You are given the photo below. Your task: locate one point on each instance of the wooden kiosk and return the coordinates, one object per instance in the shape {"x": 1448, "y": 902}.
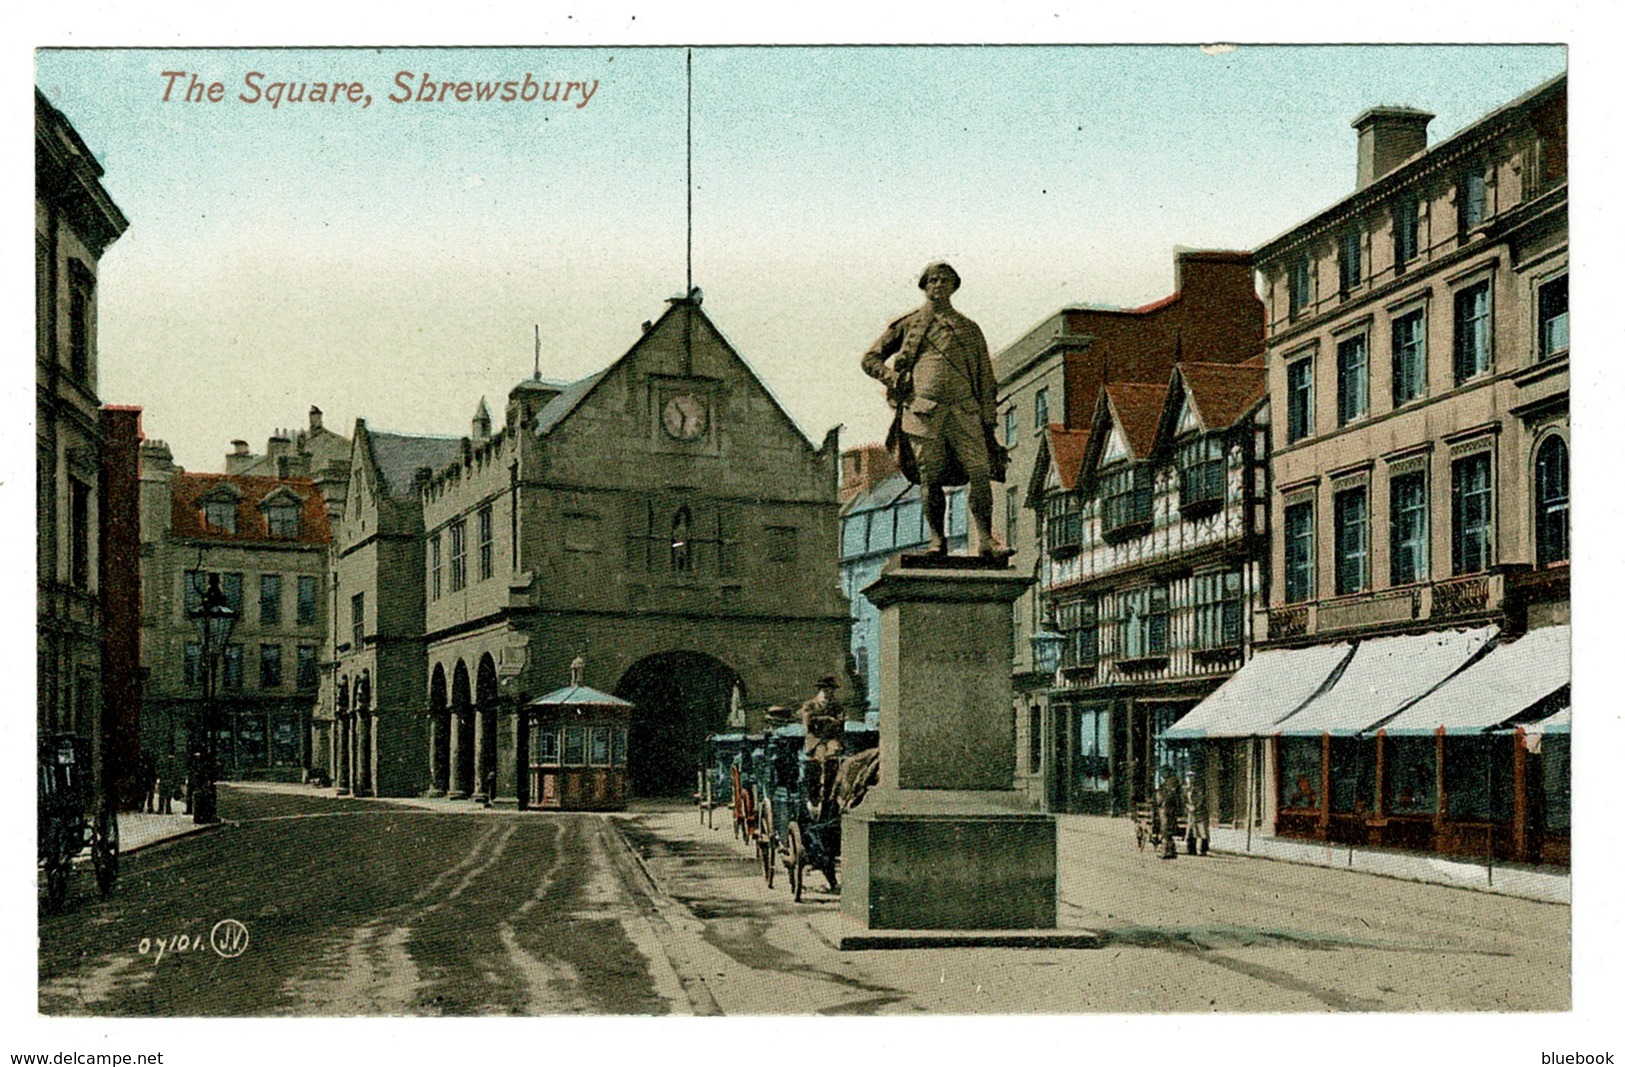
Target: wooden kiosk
{"x": 578, "y": 747}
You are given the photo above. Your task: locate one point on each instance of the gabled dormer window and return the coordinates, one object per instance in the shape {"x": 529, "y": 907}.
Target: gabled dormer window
{"x": 1201, "y": 473}
{"x": 219, "y": 508}
{"x": 1125, "y": 494}
{"x": 1062, "y": 525}
{"x": 281, "y": 510}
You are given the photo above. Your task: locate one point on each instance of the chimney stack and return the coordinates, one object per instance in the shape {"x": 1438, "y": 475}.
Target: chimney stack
{"x": 1388, "y": 137}
{"x": 315, "y": 418}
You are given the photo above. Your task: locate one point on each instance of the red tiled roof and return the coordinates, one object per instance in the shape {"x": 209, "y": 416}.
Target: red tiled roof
{"x": 186, "y": 512}
{"x": 1223, "y": 392}
{"x": 1066, "y": 449}
{"x": 1138, "y": 408}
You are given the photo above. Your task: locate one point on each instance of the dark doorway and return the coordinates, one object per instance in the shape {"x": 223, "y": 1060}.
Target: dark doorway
{"x": 677, "y": 698}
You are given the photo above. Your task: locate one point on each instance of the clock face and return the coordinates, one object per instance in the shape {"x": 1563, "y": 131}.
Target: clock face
{"x": 684, "y": 417}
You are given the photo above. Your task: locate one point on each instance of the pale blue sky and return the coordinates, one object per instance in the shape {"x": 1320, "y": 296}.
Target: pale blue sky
{"x": 389, "y": 261}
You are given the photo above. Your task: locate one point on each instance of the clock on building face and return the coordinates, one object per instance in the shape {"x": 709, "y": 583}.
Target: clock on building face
{"x": 684, "y": 417}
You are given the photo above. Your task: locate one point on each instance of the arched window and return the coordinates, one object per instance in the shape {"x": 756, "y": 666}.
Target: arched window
{"x": 682, "y": 552}
{"x": 1552, "y": 502}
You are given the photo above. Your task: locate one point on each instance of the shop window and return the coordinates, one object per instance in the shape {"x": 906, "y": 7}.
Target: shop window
{"x": 1300, "y": 773}
{"x": 1407, "y": 528}
{"x": 1409, "y": 356}
{"x": 285, "y": 739}
{"x": 575, "y": 745}
{"x": 1554, "y": 780}
{"x": 1091, "y": 765}
{"x": 546, "y": 746}
{"x": 1354, "y": 774}
{"x": 1411, "y": 770}
{"x": 598, "y": 746}
{"x": 1478, "y": 778}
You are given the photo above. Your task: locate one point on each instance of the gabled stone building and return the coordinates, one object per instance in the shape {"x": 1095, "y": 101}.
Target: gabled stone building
{"x": 664, "y": 518}
{"x": 370, "y": 730}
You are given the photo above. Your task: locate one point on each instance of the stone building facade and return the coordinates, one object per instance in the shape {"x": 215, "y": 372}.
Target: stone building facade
{"x": 268, "y": 540}
{"x": 370, "y": 730}
{"x": 75, "y": 220}
{"x": 1418, "y": 376}
{"x": 665, "y": 519}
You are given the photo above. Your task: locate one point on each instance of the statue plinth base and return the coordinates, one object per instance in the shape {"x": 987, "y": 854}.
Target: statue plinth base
{"x": 916, "y": 859}
{"x": 944, "y": 841}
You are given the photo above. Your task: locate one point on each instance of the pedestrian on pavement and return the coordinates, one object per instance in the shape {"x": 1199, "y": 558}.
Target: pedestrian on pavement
{"x": 1196, "y": 820}
{"x": 1169, "y": 806}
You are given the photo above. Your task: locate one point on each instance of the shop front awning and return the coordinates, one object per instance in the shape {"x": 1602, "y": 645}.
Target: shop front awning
{"x": 1558, "y": 723}
{"x": 1385, "y": 675}
{"x": 1513, "y": 679}
{"x": 1270, "y": 687}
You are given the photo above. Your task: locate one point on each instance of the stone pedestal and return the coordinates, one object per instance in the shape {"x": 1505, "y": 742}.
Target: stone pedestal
{"x": 945, "y": 841}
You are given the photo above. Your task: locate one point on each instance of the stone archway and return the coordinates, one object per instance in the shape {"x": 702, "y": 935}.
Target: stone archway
{"x": 485, "y": 728}
{"x": 462, "y": 734}
{"x": 677, "y": 698}
{"x": 439, "y": 739}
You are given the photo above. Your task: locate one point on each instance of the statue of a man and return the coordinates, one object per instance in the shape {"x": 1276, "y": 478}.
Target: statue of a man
{"x": 939, "y": 379}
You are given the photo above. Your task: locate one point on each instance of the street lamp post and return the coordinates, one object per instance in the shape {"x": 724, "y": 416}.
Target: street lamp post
{"x": 215, "y": 618}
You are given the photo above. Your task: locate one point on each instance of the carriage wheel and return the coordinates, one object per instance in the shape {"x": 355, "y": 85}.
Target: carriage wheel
{"x": 796, "y": 862}
{"x": 104, "y": 852}
{"x": 58, "y": 866}
{"x": 767, "y": 846}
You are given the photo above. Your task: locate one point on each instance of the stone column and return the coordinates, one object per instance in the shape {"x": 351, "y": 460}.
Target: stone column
{"x": 454, "y": 750}
{"x": 946, "y": 841}
{"x": 482, "y": 720}
{"x": 343, "y": 783}
{"x": 437, "y": 741}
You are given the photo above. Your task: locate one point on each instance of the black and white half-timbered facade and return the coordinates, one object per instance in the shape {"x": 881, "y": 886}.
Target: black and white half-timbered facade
{"x": 1154, "y": 532}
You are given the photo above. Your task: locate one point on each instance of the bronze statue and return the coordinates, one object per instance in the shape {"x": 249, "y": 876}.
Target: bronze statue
{"x": 939, "y": 380}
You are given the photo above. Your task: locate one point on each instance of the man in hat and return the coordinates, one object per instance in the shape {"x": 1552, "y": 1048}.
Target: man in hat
{"x": 825, "y": 722}
{"x": 939, "y": 380}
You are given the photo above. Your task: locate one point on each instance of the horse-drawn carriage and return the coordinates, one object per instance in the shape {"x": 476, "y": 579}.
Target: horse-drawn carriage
{"x": 75, "y": 813}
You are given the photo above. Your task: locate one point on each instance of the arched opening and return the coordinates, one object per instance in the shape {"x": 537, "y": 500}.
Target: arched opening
{"x": 1551, "y": 502}
{"x": 677, "y": 698}
{"x": 462, "y": 727}
{"x": 438, "y": 739}
{"x": 485, "y": 723}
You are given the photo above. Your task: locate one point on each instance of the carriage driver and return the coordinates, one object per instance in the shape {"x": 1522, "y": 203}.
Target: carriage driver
{"x": 825, "y": 722}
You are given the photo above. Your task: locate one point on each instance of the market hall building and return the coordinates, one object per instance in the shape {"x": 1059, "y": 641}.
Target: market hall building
{"x": 1411, "y": 688}
{"x": 663, "y": 519}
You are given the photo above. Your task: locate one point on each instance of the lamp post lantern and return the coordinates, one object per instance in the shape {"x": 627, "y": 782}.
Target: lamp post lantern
{"x": 216, "y": 619}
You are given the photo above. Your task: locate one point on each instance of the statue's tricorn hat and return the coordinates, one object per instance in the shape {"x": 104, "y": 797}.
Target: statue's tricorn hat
{"x": 939, "y": 265}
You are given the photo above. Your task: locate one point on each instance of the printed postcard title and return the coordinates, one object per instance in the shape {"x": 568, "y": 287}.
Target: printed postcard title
{"x": 409, "y": 87}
